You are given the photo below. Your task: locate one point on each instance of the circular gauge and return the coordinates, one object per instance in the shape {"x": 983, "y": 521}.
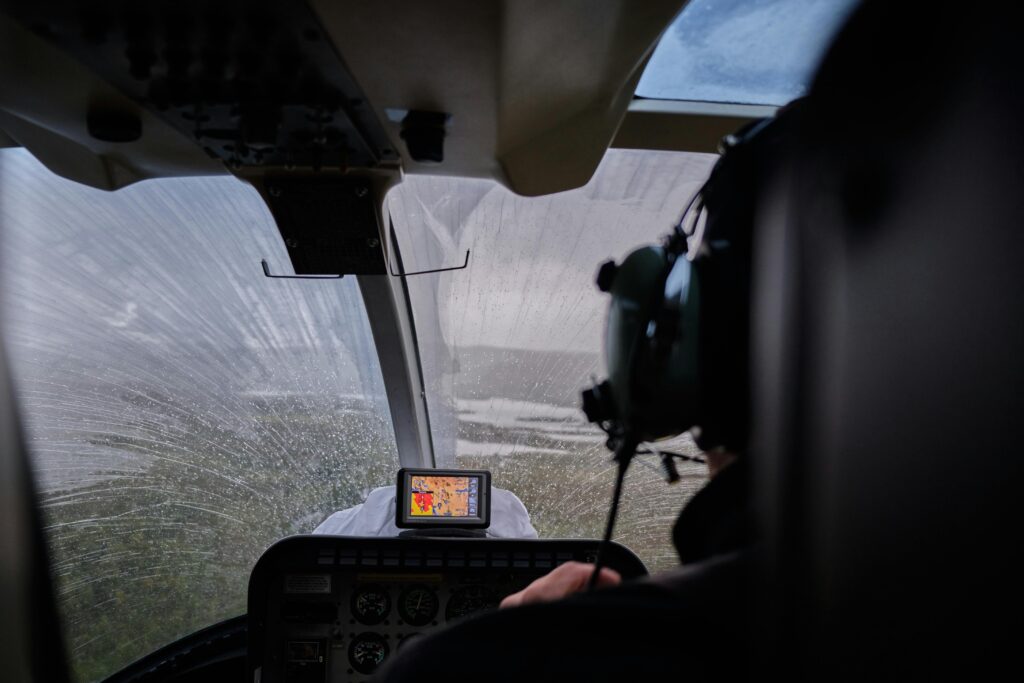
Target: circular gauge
{"x": 367, "y": 651}
{"x": 370, "y": 604}
{"x": 417, "y": 605}
{"x": 468, "y": 600}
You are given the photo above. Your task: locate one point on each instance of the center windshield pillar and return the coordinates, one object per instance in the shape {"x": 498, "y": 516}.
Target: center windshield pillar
{"x": 394, "y": 334}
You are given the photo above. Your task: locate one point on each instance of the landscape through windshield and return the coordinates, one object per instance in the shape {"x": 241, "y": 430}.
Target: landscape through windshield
{"x": 183, "y": 412}
{"x": 508, "y": 343}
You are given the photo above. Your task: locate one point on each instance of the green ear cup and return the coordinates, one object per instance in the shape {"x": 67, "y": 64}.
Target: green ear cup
{"x": 651, "y": 343}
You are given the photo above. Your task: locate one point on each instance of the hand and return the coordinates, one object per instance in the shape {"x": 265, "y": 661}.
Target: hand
{"x": 564, "y": 580}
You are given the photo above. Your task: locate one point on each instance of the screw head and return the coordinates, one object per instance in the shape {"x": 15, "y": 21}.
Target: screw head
{"x": 372, "y": 242}
{"x": 361, "y": 191}
{"x": 274, "y": 191}
{"x": 291, "y": 243}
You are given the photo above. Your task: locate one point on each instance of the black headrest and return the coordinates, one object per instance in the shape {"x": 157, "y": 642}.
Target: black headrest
{"x": 888, "y": 353}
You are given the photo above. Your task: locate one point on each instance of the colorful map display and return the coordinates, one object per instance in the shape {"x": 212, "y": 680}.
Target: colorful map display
{"x": 444, "y": 496}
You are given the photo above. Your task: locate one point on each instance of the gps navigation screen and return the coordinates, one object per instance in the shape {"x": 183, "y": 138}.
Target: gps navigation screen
{"x": 446, "y": 497}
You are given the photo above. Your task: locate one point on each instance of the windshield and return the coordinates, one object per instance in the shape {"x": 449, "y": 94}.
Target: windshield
{"x": 508, "y": 343}
{"x": 183, "y": 412}
{"x": 742, "y": 51}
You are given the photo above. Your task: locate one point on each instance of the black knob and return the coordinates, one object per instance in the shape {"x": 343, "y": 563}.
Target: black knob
{"x": 424, "y": 133}
{"x": 597, "y": 403}
{"x": 606, "y": 275}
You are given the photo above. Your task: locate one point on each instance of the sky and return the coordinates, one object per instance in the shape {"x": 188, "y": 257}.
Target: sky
{"x": 530, "y": 280}
{"x": 745, "y": 51}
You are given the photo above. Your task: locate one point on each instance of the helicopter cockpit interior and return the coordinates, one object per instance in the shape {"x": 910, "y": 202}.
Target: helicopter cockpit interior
{"x": 297, "y": 304}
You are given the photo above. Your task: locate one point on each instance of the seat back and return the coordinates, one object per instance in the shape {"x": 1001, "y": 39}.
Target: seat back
{"x": 888, "y": 354}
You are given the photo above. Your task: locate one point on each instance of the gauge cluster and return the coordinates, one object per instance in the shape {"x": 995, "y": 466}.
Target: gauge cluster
{"x": 389, "y": 611}
{"x": 325, "y": 609}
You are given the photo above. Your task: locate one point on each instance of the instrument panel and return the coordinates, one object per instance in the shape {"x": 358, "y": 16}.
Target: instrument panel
{"x": 332, "y": 609}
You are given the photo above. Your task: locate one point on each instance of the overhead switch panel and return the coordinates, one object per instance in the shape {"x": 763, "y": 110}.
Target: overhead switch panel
{"x": 254, "y": 83}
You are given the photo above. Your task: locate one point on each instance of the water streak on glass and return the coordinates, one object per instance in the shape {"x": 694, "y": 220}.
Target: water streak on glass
{"x": 742, "y": 51}
{"x": 183, "y": 411}
{"x": 508, "y": 343}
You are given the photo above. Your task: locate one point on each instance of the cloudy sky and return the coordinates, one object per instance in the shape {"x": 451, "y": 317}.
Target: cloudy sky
{"x": 530, "y": 280}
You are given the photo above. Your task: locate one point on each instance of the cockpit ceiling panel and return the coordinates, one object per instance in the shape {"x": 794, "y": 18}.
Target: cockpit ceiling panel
{"x": 533, "y": 90}
{"x": 45, "y": 95}
{"x": 254, "y": 83}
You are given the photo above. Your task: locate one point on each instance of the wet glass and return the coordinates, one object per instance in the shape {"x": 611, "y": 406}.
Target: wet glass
{"x": 742, "y": 51}
{"x": 183, "y": 412}
{"x": 508, "y": 343}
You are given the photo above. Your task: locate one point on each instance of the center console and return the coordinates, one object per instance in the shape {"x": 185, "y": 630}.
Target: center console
{"x": 327, "y": 609}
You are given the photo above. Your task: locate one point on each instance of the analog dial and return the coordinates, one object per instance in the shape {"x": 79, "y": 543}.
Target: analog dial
{"x": 417, "y": 605}
{"x": 367, "y": 651}
{"x": 370, "y": 604}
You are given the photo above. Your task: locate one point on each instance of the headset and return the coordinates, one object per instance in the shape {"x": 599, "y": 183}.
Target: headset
{"x": 677, "y": 339}
{"x": 678, "y": 330}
